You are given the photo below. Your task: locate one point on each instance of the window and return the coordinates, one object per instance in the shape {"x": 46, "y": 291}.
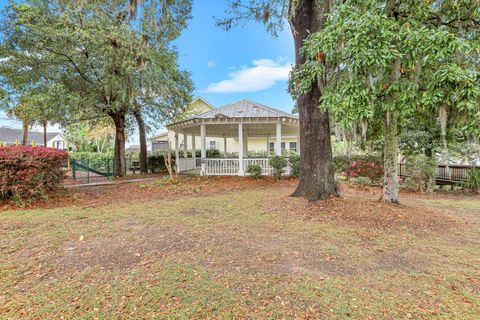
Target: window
{"x": 293, "y": 146}
{"x": 212, "y": 145}
{"x": 271, "y": 147}
{"x": 159, "y": 145}
{"x": 59, "y": 144}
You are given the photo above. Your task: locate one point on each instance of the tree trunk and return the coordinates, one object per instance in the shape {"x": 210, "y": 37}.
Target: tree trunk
{"x": 143, "y": 141}
{"x": 338, "y": 134}
{"x": 119, "y": 168}
{"x": 443, "y": 133}
{"x": 44, "y": 133}
{"x": 316, "y": 167}
{"x": 25, "y": 133}
{"x": 390, "y": 166}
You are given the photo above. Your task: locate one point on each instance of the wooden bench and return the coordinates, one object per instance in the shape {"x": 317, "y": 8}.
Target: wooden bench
{"x": 134, "y": 166}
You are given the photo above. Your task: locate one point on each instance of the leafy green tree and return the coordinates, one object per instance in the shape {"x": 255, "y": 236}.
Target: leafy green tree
{"x": 304, "y": 16}
{"x": 24, "y": 113}
{"x": 95, "y": 54}
{"x": 391, "y": 58}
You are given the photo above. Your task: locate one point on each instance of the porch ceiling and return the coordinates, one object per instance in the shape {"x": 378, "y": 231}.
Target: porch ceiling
{"x": 230, "y": 130}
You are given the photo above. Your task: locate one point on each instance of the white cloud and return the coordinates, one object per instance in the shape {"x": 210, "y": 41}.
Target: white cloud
{"x": 211, "y": 64}
{"x": 262, "y": 75}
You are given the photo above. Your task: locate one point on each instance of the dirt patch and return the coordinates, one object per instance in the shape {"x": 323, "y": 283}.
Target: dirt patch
{"x": 360, "y": 207}
{"x": 225, "y": 250}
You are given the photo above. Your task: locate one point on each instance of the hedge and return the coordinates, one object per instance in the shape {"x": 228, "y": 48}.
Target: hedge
{"x": 28, "y": 173}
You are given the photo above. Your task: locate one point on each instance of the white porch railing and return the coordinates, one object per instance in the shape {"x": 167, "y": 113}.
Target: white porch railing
{"x": 267, "y": 170}
{"x": 221, "y": 167}
{"x": 230, "y": 167}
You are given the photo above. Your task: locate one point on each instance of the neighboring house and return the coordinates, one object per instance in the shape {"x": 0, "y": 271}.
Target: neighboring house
{"x": 133, "y": 148}
{"x": 10, "y": 137}
{"x": 245, "y": 132}
{"x": 228, "y": 145}
{"x": 166, "y": 139}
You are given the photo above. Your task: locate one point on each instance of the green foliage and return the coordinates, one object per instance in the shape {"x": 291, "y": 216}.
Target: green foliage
{"x": 294, "y": 162}
{"x": 156, "y": 163}
{"x": 96, "y": 160}
{"x": 420, "y": 171}
{"x": 254, "y": 171}
{"x": 473, "y": 182}
{"x": 278, "y": 163}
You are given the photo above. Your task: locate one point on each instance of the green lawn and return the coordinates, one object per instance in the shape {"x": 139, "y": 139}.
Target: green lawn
{"x": 250, "y": 253}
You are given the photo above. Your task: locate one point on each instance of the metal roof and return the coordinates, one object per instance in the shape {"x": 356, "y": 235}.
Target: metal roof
{"x": 243, "y": 109}
{"x": 10, "y": 135}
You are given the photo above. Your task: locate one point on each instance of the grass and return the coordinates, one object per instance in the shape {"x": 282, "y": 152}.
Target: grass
{"x": 252, "y": 253}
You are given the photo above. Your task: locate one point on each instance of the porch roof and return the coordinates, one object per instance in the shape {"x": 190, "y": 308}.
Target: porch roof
{"x": 258, "y": 120}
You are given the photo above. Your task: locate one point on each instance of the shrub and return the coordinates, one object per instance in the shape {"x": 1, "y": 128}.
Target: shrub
{"x": 213, "y": 153}
{"x": 363, "y": 168}
{"x": 156, "y": 163}
{"x": 473, "y": 182}
{"x": 294, "y": 161}
{"x": 342, "y": 163}
{"x": 278, "y": 163}
{"x": 254, "y": 170}
{"x": 28, "y": 173}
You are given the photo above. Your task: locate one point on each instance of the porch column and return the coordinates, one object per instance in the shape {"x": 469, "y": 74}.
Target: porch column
{"x": 203, "y": 143}
{"x": 298, "y": 144}
{"x": 194, "y": 152}
{"x": 185, "y": 151}
{"x": 177, "y": 156}
{"x": 241, "y": 171}
{"x": 278, "y": 141}
{"x": 185, "y": 145}
{"x": 225, "y": 145}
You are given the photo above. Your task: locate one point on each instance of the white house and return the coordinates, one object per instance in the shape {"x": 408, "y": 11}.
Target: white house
{"x": 245, "y": 132}
{"x": 10, "y": 137}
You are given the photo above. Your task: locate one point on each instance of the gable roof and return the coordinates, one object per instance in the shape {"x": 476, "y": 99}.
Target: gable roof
{"x": 163, "y": 134}
{"x": 243, "y": 109}
{"x": 203, "y": 100}
{"x": 10, "y": 135}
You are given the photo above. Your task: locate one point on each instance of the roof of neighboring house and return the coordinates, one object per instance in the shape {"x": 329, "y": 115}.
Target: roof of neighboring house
{"x": 163, "y": 134}
{"x": 132, "y": 147}
{"x": 10, "y": 135}
{"x": 243, "y": 109}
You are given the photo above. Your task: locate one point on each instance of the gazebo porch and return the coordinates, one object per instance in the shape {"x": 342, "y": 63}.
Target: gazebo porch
{"x": 240, "y": 129}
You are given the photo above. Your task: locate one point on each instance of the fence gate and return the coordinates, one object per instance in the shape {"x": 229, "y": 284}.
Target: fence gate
{"x": 86, "y": 171}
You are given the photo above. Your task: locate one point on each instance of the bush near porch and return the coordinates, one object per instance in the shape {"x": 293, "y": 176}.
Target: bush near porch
{"x": 28, "y": 173}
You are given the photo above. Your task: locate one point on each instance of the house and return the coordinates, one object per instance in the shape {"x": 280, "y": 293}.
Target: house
{"x": 245, "y": 132}
{"x": 11, "y": 136}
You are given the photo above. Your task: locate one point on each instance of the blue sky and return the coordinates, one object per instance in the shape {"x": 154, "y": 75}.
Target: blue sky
{"x": 245, "y": 62}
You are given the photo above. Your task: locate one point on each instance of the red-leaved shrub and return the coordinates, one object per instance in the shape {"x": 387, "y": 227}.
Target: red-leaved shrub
{"x": 27, "y": 173}
{"x": 364, "y": 168}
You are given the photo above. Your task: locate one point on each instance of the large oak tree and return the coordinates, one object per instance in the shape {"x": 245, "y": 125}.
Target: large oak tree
{"x": 305, "y": 17}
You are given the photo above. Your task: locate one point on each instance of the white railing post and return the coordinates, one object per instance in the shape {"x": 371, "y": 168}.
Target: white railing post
{"x": 241, "y": 170}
